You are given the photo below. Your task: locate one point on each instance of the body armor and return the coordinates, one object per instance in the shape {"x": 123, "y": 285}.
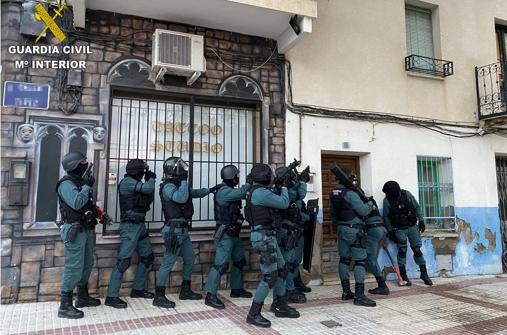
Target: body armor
{"x": 341, "y": 207}
{"x": 137, "y": 202}
{"x": 258, "y": 215}
{"x": 86, "y": 215}
{"x": 402, "y": 213}
{"x": 174, "y": 210}
{"x": 229, "y": 215}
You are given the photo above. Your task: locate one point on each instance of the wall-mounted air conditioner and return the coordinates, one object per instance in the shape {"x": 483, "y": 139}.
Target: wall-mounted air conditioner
{"x": 178, "y": 54}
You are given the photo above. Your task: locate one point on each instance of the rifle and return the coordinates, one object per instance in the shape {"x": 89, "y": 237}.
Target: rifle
{"x": 304, "y": 176}
{"x": 292, "y": 166}
{"x": 88, "y": 170}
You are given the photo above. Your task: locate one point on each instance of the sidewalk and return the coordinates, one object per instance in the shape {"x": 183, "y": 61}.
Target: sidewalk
{"x": 461, "y": 305}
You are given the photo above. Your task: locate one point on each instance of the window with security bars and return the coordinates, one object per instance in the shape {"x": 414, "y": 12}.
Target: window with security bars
{"x": 419, "y": 36}
{"x": 436, "y": 192}
{"x": 208, "y": 137}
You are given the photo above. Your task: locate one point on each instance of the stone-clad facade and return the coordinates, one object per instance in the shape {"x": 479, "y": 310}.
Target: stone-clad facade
{"x": 32, "y": 259}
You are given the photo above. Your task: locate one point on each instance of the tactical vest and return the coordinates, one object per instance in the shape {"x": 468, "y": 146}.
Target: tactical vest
{"x": 174, "y": 210}
{"x": 227, "y": 214}
{"x": 258, "y": 215}
{"x": 86, "y": 215}
{"x": 292, "y": 213}
{"x": 341, "y": 207}
{"x": 402, "y": 213}
{"x": 137, "y": 202}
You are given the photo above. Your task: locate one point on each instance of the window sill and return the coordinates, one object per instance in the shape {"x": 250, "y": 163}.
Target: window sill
{"x": 422, "y": 75}
{"x": 440, "y": 234}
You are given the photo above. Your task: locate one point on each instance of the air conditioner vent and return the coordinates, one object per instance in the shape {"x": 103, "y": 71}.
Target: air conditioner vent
{"x": 174, "y": 49}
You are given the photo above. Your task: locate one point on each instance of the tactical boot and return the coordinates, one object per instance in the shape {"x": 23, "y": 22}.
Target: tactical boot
{"x": 424, "y": 275}
{"x": 300, "y": 286}
{"x": 347, "y": 293}
{"x": 67, "y": 310}
{"x": 213, "y": 301}
{"x": 255, "y": 317}
{"x": 141, "y": 294}
{"x": 403, "y": 273}
{"x": 240, "y": 293}
{"x": 186, "y": 292}
{"x": 84, "y": 299}
{"x": 160, "y": 300}
{"x": 382, "y": 288}
{"x": 296, "y": 297}
{"x": 115, "y": 302}
{"x": 282, "y": 310}
{"x": 360, "y": 299}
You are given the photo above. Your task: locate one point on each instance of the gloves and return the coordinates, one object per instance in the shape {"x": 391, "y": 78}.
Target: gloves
{"x": 215, "y": 188}
{"x": 422, "y": 226}
{"x": 183, "y": 175}
{"x": 392, "y": 236}
{"x": 249, "y": 179}
{"x": 149, "y": 175}
{"x": 89, "y": 180}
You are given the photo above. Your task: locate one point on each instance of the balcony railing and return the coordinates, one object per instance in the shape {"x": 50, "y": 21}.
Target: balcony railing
{"x": 429, "y": 66}
{"x": 491, "y": 90}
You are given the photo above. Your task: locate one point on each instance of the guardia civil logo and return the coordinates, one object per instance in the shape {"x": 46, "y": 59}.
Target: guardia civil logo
{"x": 41, "y": 14}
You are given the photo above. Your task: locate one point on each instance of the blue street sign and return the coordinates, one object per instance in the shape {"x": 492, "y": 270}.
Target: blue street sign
{"x": 26, "y": 95}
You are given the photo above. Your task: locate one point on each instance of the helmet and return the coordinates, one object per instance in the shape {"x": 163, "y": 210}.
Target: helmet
{"x": 174, "y": 166}
{"x": 261, "y": 173}
{"x": 136, "y": 166}
{"x": 391, "y": 189}
{"x": 229, "y": 172}
{"x": 72, "y": 160}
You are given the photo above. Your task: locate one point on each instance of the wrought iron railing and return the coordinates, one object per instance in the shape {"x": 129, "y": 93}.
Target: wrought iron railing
{"x": 491, "y": 90}
{"x": 429, "y": 66}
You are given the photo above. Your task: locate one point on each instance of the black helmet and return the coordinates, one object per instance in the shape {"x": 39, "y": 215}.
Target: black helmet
{"x": 391, "y": 189}
{"x": 229, "y": 172}
{"x": 261, "y": 173}
{"x": 350, "y": 175}
{"x": 72, "y": 160}
{"x": 136, "y": 166}
{"x": 174, "y": 166}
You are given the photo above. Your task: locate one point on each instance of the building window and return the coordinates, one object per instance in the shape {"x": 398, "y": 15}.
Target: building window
{"x": 436, "y": 192}
{"x": 419, "y": 31}
{"x": 208, "y": 136}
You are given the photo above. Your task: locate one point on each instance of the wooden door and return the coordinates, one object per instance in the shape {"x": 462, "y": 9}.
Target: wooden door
{"x": 329, "y": 182}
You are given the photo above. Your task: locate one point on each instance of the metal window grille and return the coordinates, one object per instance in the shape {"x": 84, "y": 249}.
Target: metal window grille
{"x": 207, "y": 136}
{"x": 436, "y": 192}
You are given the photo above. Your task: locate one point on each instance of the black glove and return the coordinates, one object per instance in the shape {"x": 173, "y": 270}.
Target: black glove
{"x": 249, "y": 179}
{"x": 149, "y": 175}
{"x": 422, "y": 226}
{"x": 215, "y": 188}
{"x": 392, "y": 236}
{"x": 183, "y": 175}
{"x": 89, "y": 180}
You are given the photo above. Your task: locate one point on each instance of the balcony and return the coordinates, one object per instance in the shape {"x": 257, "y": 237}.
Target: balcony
{"x": 429, "y": 66}
{"x": 491, "y": 90}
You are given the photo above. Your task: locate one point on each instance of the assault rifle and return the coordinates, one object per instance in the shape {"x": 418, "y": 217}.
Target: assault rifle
{"x": 304, "y": 176}
{"x": 280, "y": 178}
{"x": 88, "y": 170}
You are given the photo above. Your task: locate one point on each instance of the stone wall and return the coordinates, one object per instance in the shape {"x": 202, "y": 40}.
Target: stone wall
{"x": 32, "y": 260}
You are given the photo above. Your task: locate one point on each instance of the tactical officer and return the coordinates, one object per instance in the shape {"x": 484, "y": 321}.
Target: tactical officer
{"x": 375, "y": 232}
{"x": 176, "y": 197}
{"x": 228, "y": 245}
{"x": 404, "y": 219}
{"x": 78, "y": 217}
{"x": 135, "y": 199}
{"x": 290, "y": 229}
{"x": 260, "y": 203}
{"x": 346, "y": 211}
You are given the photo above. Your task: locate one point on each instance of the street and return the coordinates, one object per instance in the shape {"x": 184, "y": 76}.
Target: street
{"x": 459, "y": 305}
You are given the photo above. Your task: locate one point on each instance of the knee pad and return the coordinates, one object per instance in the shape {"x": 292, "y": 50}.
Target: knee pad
{"x": 143, "y": 236}
{"x": 417, "y": 252}
{"x": 221, "y": 268}
{"x": 147, "y": 260}
{"x": 239, "y": 264}
{"x": 402, "y": 252}
{"x": 345, "y": 260}
{"x": 283, "y": 272}
{"x": 361, "y": 262}
{"x": 123, "y": 264}
{"x": 271, "y": 278}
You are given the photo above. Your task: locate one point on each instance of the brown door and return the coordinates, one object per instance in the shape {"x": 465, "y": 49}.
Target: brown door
{"x": 329, "y": 182}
